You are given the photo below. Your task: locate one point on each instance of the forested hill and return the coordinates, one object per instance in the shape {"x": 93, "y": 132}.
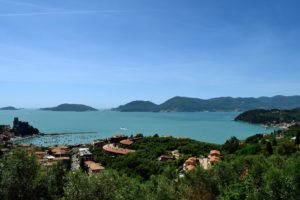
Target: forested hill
{"x": 186, "y": 104}
{"x": 71, "y": 107}
{"x": 8, "y": 108}
{"x": 274, "y": 116}
{"x": 138, "y": 106}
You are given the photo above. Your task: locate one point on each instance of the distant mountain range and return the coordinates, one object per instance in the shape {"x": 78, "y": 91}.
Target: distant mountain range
{"x": 9, "y": 108}
{"x": 71, "y": 107}
{"x": 186, "y": 104}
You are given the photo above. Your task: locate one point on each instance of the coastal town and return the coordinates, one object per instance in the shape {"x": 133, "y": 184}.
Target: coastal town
{"x": 81, "y": 157}
{"x": 163, "y": 161}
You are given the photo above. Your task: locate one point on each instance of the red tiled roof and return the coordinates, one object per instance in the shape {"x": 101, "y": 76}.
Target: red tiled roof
{"x": 94, "y": 166}
{"x": 215, "y": 152}
{"x": 214, "y": 159}
{"x": 61, "y": 158}
{"x": 117, "y": 150}
{"x": 59, "y": 147}
{"x": 126, "y": 142}
{"x": 190, "y": 167}
{"x": 191, "y": 161}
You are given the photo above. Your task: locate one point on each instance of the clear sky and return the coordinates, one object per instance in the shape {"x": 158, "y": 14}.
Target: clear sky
{"x": 108, "y": 52}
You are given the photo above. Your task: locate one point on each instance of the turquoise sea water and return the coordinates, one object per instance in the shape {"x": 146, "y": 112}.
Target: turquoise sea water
{"x": 84, "y": 127}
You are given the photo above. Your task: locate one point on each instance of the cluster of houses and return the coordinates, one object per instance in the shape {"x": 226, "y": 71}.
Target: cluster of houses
{"x": 86, "y": 158}
{"x": 63, "y": 153}
{"x": 53, "y": 155}
{"x": 117, "y": 144}
{"x": 191, "y": 163}
{"x": 205, "y": 162}
{"x": 6, "y": 133}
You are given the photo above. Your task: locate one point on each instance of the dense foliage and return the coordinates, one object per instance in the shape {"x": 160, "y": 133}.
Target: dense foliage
{"x": 273, "y": 116}
{"x": 145, "y": 163}
{"x": 248, "y": 170}
{"x": 186, "y": 104}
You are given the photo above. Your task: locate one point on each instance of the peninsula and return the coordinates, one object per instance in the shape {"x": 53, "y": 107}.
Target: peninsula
{"x": 71, "y": 107}
{"x": 223, "y": 104}
{"x": 273, "y": 117}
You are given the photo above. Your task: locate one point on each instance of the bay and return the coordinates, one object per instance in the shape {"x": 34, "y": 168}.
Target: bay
{"x": 84, "y": 127}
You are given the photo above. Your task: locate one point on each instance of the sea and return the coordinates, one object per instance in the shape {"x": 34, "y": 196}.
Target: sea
{"x": 68, "y": 128}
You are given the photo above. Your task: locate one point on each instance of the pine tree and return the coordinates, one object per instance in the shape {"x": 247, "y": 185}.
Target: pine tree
{"x": 269, "y": 148}
{"x": 297, "y": 140}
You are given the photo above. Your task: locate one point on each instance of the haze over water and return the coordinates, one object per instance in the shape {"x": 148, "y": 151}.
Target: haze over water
{"x": 85, "y": 127}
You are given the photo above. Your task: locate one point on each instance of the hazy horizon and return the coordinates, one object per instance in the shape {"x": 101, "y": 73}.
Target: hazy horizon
{"x": 105, "y": 108}
{"x": 107, "y": 53}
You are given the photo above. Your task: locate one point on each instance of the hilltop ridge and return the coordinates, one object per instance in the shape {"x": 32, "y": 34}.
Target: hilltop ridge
{"x": 187, "y": 104}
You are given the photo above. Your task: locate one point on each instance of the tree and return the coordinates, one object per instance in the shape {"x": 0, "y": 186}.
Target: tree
{"x": 269, "y": 148}
{"x": 107, "y": 185}
{"x": 18, "y": 173}
{"x": 287, "y": 148}
{"x": 274, "y": 141}
{"x": 159, "y": 188}
{"x": 231, "y": 145}
{"x": 278, "y": 185}
{"x": 297, "y": 140}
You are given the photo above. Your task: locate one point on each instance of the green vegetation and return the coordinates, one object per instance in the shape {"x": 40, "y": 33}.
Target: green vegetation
{"x": 138, "y": 106}
{"x": 22, "y": 178}
{"x": 186, "y": 104}
{"x": 9, "y": 108}
{"x": 71, "y": 107}
{"x": 254, "y": 168}
{"x": 144, "y": 163}
{"x": 273, "y": 116}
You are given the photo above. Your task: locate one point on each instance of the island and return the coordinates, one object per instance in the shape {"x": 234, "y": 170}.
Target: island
{"x": 221, "y": 104}
{"x": 138, "y": 106}
{"x": 71, "y": 107}
{"x": 9, "y": 108}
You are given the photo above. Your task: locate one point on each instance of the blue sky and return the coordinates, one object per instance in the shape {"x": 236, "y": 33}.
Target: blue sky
{"x": 107, "y": 52}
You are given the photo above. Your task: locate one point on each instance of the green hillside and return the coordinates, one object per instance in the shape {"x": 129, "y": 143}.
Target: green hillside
{"x": 274, "y": 116}
{"x": 138, "y": 106}
{"x": 71, "y": 107}
{"x": 186, "y": 104}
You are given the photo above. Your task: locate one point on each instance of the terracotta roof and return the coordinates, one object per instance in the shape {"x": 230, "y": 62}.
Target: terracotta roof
{"x": 214, "y": 159}
{"x": 40, "y": 153}
{"x": 190, "y": 167}
{"x": 94, "y": 166}
{"x": 126, "y": 142}
{"x": 61, "y": 158}
{"x": 215, "y": 152}
{"x": 59, "y": 147}
{"x": 60, "y": 152}
{"x": 191, "y": 161}
{"x": 117, "y": 150}
{"x": 24, "y": 145}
